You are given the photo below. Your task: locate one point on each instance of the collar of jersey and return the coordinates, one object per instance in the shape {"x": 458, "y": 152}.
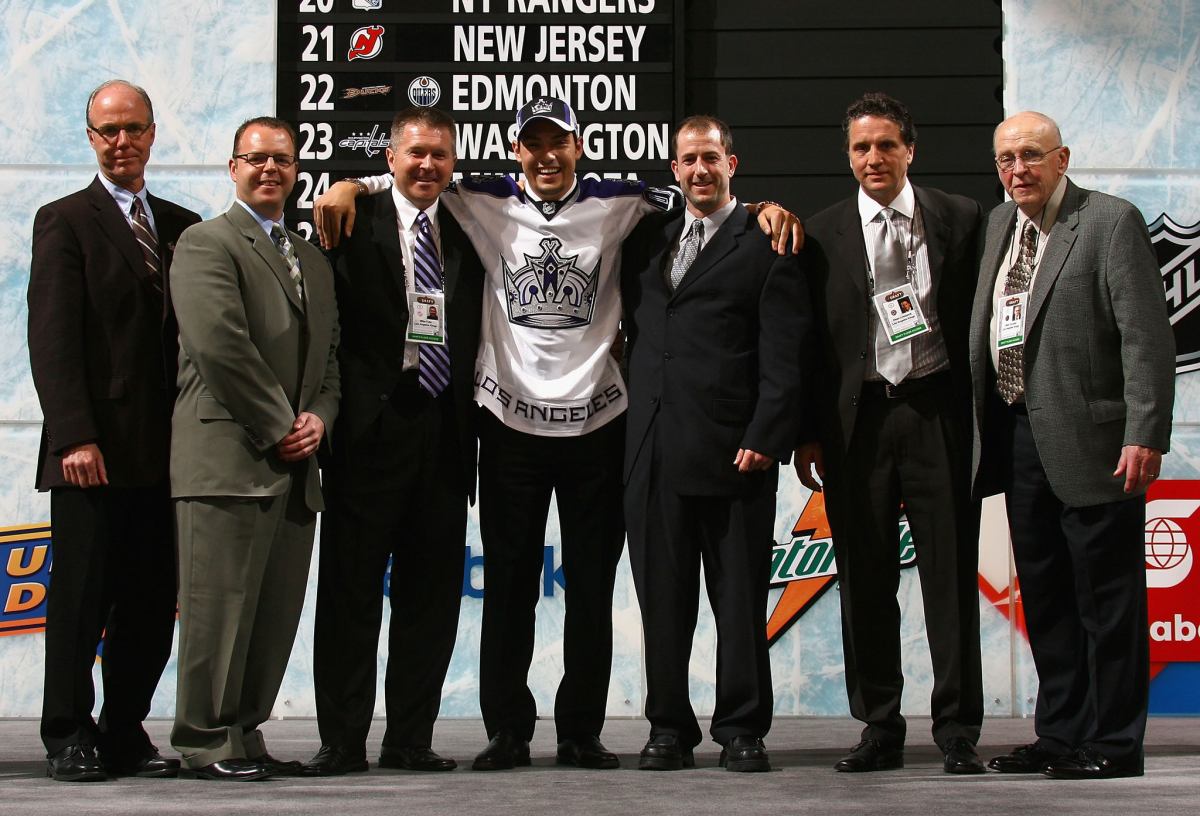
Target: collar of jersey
{"x": 549, "y": 209}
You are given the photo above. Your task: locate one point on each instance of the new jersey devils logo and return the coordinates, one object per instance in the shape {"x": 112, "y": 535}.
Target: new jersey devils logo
{"x": 366, "y": 42}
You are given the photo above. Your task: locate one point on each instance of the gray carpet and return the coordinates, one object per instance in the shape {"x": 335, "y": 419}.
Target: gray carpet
{"x": 802, "y": 751}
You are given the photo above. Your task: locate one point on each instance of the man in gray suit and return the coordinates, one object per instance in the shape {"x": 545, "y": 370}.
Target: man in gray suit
{"x": 258, "y": 382}
{"x": 1072, "y": 365}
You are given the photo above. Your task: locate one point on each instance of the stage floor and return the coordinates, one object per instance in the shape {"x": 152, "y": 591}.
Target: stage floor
{"x": 802, "y": 751}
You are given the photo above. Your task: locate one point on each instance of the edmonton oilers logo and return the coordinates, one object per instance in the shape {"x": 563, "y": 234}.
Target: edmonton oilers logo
{"x": 424, "y": 92}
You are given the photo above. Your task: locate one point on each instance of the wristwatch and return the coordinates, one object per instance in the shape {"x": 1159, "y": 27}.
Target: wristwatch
{"x": 362, "y": 188}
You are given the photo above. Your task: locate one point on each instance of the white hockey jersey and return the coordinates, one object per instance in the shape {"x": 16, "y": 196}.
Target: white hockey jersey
{"x": 552, "y": 303}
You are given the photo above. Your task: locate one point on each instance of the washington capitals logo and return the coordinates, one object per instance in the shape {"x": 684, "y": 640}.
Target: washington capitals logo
{"x": 366, "y": 42}
{"x": 550, "y": 291}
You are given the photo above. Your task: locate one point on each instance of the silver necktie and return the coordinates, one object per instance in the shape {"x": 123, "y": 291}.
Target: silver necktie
{"x": 687, "y": 253}
{"x": 890, "y": 270}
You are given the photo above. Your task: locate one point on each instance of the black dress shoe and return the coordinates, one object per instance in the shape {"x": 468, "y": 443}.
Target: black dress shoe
{"x": 333, "y": 760}
{"x": 1029, "y": 758}
{"x": 961, "y": 757}
{"x": 1088, "y": 764}
{"x": 586, "y": 752}
{"x": 152, "y": 765}
{"x": 664, "y": 752}
{"x": 230, "y": 770}
{"x": 281, "y": 768}
{"x": 871, "y": 755}
{"x": 76, "y": 763}
{"x": 746, "y": 754}
{"x": 415, "y": 758}
{"x": 506, "y": 750}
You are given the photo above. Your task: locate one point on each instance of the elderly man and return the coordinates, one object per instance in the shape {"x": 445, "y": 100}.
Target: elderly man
{"x": 891, "y": 425}
{"x": 1072, "y": 363}
{"x": 258, "y": 380}
{"x": 715, "y": 320}
{"x": 102, "y": 344}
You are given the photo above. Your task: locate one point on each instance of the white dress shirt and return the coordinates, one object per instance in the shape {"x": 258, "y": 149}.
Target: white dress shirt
{"x": 1044, "y": 221}
{"x": 124, "y": 200}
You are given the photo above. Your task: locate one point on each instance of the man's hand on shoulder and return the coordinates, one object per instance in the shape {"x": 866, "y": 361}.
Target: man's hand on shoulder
{"x": 780, "y": 225}
{"x": 333, "y": 213}
{"x": 303, "y": 441}
{"x": 83, "y": 465}
{"x": 1140, "y": 466}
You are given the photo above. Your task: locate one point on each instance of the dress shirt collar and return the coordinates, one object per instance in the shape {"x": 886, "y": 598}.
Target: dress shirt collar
{"x": 265, "y": 223}
{"x": 1045, "y": 219}
{"x": 123, "y": 197}
{"x": 406, "y": 212}
{"x": 712, "y": 222}
{"x": 905, "y": 203}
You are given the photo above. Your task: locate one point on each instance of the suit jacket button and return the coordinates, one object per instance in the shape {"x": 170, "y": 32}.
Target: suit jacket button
{"x": 383, "y": 397}
{"x": 854, "y": 400}
{"x": 863, "y": 355}
{"x": 666, "y": 355}
{"x": 670, "y": 312}
{"x": 654, "y": 399}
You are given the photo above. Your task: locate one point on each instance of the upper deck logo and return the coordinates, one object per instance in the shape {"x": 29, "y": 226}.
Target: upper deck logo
{"x": 26, "y": 558}
{"x": 366, "y": 42}
{"x": 424, "y": 92}
{"x": 1177, "y": 248}
{"x": 550, "y": 291}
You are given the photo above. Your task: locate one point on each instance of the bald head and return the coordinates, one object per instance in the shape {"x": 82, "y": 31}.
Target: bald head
{"x": 1030, "y": 145}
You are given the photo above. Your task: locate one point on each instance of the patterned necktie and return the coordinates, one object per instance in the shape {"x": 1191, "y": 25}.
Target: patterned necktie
{"x": 1011, "y": 370}
{"x": 289, "y": 255}
{"x": 890, "y": 270}
{"x": 148, "y": 243}
{"x": 687, "y": 253}
{"x": 434, "y": 373}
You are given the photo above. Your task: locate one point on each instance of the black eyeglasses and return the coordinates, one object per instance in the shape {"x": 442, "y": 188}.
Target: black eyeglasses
{"x": 110, "y": 132}
{"x": 1029, "y": 158}
{"x": 282, "y": 160}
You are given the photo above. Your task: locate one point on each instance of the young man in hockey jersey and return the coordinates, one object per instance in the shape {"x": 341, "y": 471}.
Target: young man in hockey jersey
{"x": 555, "y": 418}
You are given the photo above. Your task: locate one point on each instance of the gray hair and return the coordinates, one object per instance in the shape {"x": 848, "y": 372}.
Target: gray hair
{"x": 140, "y": 91}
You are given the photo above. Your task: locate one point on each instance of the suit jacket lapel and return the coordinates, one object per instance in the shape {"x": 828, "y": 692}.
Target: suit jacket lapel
{"x": 1058, "y": 247}
{"x": 385, "y": 232}
{"x": 452, "y": 246}
{"x": 937, "y": 234}
{"x": 267, "y": 250}
{"x": 660, "y": 255}
{"x": 720, "y": 245}
{"x": 850, "y": 247}
{"x": 113, "y": 224}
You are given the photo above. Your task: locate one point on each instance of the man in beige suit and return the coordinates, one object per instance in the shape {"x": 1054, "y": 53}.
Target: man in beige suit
{"x": 258, "y": 384}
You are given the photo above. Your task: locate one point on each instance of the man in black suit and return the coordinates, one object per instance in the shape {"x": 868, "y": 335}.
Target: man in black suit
{"x": 890, "y": 425}
{"x": 715, "y": 321}
{"x": 403, "y": 464}
{"x": 103, "y": 345}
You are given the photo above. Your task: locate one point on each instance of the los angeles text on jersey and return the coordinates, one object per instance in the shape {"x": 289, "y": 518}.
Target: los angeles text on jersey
{"x": 561, "y": 418}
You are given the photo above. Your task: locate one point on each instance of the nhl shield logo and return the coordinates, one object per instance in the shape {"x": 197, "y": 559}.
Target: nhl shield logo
{"x": 550, "y": 291}
{"x": 1176, "y": 248}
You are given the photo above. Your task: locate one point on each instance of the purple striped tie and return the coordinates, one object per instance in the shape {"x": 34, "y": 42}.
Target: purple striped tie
{"x": 435, "y": 360}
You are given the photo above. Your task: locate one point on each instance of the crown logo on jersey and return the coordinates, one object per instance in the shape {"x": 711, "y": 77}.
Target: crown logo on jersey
{"x": 550, "y": 291}
{"x": 543, "y": 105}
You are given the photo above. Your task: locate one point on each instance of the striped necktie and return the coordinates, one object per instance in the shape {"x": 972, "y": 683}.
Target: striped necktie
{"x": 1011, "y": 370}
{"x": 289, "y": 255}
{"x": 687, "y": 253}
{"x": 434, "y": 374}
{"x": 148, "y": 243}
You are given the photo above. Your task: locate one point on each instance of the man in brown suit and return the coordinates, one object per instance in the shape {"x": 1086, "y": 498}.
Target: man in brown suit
{"x": 102, "y": 344}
